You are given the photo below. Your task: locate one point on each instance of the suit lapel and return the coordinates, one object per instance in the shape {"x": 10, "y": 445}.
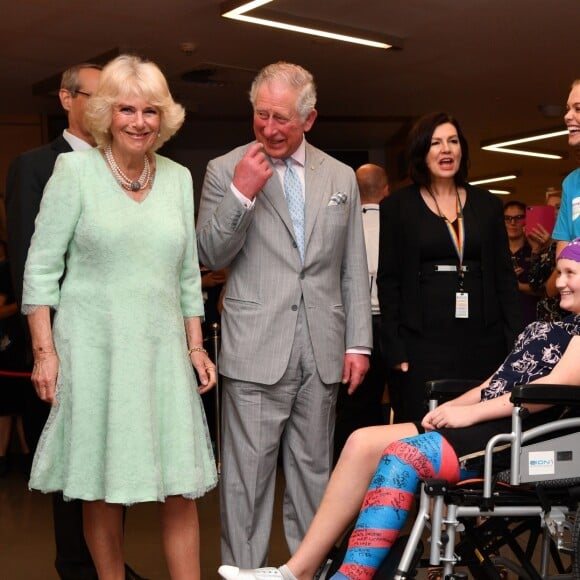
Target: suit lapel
{"x": 314, "y": 177}
{"x": 61, "y": 145}
{"x": 274, "y": 193}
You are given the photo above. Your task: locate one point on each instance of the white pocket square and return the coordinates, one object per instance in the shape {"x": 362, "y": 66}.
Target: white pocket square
{"x": 338, "y": 198}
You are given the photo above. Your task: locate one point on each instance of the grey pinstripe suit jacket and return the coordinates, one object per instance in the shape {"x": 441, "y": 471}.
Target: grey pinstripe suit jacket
{"x": 267, "y": 281}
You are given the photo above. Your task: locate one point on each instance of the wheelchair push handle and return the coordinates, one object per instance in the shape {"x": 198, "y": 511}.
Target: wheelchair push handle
{"x": 546, "y": 393}
{"x": 445, "y": 389}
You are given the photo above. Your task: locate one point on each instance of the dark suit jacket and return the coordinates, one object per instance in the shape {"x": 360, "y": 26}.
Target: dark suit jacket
{"x": 400, "y": 265}
{"x": 27, "y": 176}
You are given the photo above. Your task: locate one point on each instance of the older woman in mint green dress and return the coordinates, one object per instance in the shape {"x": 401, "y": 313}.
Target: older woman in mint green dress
{"x": 114, "y": 255}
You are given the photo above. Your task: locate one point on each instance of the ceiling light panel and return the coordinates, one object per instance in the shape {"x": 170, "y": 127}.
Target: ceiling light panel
{"x": 493, "y": 179}
{"x": 240, "y": 12}
{"x": 507, "y": 146}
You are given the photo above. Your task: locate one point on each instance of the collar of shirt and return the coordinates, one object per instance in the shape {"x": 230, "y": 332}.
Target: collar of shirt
{"x": 298, "y": 162}
{"x": 75, "y": 142}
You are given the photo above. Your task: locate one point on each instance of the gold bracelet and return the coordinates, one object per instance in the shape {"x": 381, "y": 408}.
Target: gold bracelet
{"x": 43, "y": 350}
{"x": 197, "y": 349}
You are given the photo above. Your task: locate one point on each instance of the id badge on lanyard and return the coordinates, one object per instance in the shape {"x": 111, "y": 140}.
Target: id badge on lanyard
{"x": 461, "y": 305}
{"x": 458, "y": 241}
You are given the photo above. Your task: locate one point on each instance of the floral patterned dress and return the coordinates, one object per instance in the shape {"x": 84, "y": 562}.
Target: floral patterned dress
{"x": 536, "y": 352}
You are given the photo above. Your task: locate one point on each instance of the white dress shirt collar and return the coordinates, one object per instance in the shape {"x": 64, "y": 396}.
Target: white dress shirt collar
{"x": 76, "y": 143}
{"x": 299, "y": 156}
{"x": 299, "y": 159}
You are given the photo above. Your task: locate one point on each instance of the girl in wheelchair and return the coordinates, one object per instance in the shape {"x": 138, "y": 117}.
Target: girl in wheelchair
{"x": 408, "y": 453}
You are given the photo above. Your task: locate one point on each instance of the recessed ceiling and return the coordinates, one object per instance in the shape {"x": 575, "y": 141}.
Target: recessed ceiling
{"x": 492, "y": 63}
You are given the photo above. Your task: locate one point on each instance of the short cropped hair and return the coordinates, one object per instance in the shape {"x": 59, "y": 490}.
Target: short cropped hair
{"x": 292, "y": 75}
{"x": 515, "y": 203}
{"x": 419, "y": 143}
{"x": 125, "y": 76}
{"x": 70, "y": 77}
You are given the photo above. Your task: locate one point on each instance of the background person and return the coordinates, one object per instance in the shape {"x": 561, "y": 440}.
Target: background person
{"x": 127, "y": 423}
{"x": 568, "y": 223}
{"x": 364, "y": 407}
{"x": 380, "y": 467}
{"x": 12, "y": 358}
{"x": 542, "y": 274}
{"x": 284, "y": 217}
{"x": 514, "y": 215}
{"x": 447, "y": 290}
{"x": 212, "y": 286}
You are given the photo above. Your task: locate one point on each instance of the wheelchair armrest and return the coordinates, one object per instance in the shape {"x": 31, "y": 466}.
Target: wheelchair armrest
{"x": 546, "y": 393}
{"x": 445, "y": 389}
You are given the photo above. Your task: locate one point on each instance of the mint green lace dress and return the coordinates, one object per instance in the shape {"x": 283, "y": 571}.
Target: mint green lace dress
{"x": 129, "y": 424}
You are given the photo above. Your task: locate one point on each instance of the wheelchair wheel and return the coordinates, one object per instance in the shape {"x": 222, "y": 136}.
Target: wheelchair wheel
{"x": 336, "y": 555}
{"x": 387, "y": 569}
{"x": 576, "y": 544}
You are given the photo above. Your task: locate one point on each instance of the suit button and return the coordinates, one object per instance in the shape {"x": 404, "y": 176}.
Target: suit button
{"x": 294, "y": 244}
{"x": 302, "y": 275}
{"x": 294, "y": 307}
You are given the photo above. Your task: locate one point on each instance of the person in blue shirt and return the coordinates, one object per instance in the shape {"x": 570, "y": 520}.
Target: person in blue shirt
{"x": 568, "y": 223}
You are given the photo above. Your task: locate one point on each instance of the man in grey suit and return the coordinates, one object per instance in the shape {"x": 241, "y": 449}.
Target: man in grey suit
{"x": 285, "y": 218}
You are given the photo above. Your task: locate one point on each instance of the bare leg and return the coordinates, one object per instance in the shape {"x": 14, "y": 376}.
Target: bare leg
{"x": 180, "y": 530}
{"x": 5, "y": 430}
{"x": 103, "y": 528}
{"x": 344, "y": 494}
{"x": 21, "y": 436}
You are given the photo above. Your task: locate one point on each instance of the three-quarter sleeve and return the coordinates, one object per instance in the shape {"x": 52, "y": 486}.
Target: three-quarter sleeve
{"x": 190, "y": 279}
{"x": 54, "y": 228}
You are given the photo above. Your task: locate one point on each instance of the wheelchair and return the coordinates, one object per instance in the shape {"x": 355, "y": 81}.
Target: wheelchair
{"x": 524, "y": 520}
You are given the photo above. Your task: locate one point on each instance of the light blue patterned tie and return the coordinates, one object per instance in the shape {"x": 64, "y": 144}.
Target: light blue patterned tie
{"x": 295, "y": 200}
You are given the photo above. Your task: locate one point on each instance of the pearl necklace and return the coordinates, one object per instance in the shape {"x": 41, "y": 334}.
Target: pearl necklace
{"x": 122, "y": 179}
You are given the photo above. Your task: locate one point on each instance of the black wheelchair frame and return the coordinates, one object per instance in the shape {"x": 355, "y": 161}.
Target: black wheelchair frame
{"x": 521, "y": 508}
{"x": 509, "y": 519}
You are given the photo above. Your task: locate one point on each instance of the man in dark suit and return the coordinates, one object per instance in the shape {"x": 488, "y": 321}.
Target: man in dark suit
{"x": 284, "y": 217}
{"x": 29, "y": 172}
{"x": 27, "y": 176}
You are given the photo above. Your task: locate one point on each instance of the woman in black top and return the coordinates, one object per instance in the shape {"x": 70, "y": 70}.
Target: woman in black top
{"x": 447, "y": 290}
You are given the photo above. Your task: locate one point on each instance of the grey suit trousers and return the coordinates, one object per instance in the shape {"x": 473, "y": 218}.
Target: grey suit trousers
{"x": 297, "y": 413}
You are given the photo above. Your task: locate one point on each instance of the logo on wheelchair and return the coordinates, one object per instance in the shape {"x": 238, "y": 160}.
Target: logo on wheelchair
{"x": 541, "y": 463}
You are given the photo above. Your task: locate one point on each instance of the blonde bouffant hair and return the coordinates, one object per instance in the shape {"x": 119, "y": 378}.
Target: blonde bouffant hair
{"x": 132, "y": 76}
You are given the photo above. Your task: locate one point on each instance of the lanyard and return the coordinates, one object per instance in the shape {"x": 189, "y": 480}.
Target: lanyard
{"x": 457, "y": 236}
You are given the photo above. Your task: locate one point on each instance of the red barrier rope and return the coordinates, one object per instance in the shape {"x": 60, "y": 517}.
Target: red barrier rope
{"x": 17, "y": 374}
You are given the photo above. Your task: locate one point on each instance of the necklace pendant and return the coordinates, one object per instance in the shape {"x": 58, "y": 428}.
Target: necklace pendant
{"x": 122, "y": 179}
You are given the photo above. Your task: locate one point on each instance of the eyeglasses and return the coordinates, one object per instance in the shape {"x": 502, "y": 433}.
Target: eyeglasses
{"x": 513, "y": 219}
{"x": 84, "y": 93}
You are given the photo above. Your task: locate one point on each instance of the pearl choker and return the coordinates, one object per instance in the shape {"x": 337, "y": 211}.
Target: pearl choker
{"x": 126, "y": 183}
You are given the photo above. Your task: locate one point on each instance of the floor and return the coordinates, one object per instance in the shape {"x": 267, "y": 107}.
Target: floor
{"x": 26, "y": 544}
{"x": 26, "y": 540}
